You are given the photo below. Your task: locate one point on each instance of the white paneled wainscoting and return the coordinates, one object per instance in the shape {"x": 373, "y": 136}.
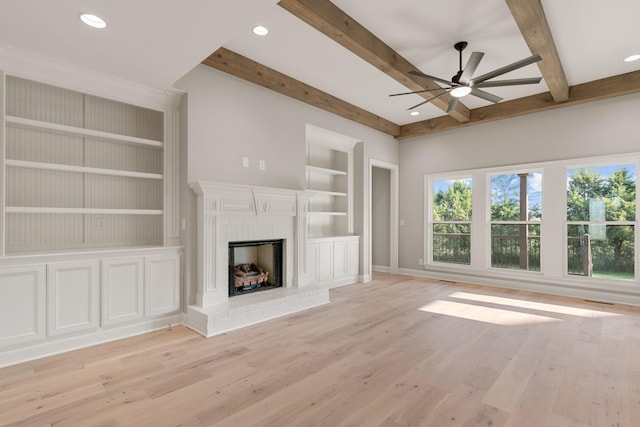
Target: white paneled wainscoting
{"x": 236, "y": 213}
{"x": 59, "y": 302}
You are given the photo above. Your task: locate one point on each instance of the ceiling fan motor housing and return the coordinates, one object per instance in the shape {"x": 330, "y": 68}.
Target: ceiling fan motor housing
{"x": 460, "y": 46}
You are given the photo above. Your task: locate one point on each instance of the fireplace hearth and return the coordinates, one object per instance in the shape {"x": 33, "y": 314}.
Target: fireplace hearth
{"x": 255, "y": 266}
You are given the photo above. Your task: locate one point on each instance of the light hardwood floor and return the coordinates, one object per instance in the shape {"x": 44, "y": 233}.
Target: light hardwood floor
{"x": 398, "y": 351}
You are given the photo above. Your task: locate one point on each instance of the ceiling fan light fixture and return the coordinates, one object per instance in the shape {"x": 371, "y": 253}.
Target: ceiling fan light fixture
{"x": 631, "y": 58}
{"x": 92, "y": 20}
{"x": 461, "y": 91}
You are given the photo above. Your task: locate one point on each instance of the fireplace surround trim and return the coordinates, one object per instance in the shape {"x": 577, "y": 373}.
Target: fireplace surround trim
{"x": 233, "y": 212}
{"x": 229, "y": 212}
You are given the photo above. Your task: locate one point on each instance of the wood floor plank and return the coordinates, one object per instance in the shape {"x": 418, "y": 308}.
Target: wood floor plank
{"x": 397, "y": 351}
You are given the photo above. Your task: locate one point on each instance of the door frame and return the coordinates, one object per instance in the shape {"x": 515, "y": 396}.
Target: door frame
{"x": 393, "y": 212}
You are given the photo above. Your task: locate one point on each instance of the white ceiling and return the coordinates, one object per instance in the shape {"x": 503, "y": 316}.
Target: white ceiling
{"x": 155, "y": 42}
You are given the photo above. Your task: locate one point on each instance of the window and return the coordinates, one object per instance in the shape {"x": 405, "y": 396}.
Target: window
{"x": 516, "y": 215}
{"x": 451, "y": 225}
{"x": 601, "y": 213}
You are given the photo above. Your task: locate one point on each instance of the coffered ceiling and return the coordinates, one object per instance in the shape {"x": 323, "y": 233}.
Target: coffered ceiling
{"x": 347, "y": 56}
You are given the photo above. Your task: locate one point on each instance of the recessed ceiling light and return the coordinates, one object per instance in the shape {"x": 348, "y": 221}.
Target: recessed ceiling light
{"x": 461, "y": 91}
{"x": 92, "y": 20}
{"x": 631, "y": 58}
{"x": 415, "y": 113}
{"x": 260, "y": 30}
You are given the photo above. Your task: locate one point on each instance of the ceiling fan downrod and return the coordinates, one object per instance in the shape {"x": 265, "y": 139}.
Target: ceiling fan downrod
{"x": 460, "y": 46}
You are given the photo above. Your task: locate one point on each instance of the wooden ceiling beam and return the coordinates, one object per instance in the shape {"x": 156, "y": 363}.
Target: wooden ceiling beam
{"x": 340, "y": 27}
{"x": 534, "y": 27}
{"x": 610, "y": 87}
{"x": 247, "y": 69}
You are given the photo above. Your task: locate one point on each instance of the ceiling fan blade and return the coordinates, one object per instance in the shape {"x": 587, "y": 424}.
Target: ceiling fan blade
{"x": 419, "y": 91}
{"x": 505, "y": 69}
{"x": 471, "y": 66}
{"x": 452, "y": 104}
{"x": 513, "y": 82}
{"x": 428, "y": 100}
{"x": 427, "y": 76}
{"x": 485, "y": 95}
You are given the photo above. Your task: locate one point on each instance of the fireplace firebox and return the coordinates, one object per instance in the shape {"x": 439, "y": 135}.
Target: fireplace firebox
{"x": 255, "y": 265}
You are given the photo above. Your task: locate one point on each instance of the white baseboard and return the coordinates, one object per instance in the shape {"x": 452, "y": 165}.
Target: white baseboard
{"x": 544, "y": 285}
{"x": 51, "y": 347}
{"x": 381, "y": 268}
{"x": 364, "y": 278}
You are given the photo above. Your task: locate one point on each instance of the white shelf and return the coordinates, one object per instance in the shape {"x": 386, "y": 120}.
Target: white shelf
{"x": 328, "y": 213}
{"x": 81, "y": 169}
{"x": 328, "y": 193}
{"x": 26, "y": 209}
{"x": 76, "y": 131}
{"x": 326, "y": 170}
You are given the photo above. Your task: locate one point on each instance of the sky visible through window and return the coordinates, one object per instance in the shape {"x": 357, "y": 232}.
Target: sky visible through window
{"x": 534, "y": 184}
{"x": 604, "y": 171}
{"x": 445, "y": 184}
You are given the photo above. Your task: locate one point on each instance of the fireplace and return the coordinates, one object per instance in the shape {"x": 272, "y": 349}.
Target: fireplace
{"x": 255, "y": 266}
{"x": 228, "y": 215}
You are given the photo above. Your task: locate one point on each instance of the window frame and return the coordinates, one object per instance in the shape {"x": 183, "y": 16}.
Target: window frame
{"x": 429, "y": 181}
{"x": 489, "y": 174}
{"x": 588, "y": 163}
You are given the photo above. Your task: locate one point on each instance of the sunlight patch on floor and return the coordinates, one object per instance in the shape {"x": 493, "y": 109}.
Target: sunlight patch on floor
{"x": 539, "y": 306}
{"x": 497, "y": 316}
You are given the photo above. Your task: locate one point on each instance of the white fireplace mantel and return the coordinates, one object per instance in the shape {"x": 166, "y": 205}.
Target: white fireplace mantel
{"x": 230, "y": 212}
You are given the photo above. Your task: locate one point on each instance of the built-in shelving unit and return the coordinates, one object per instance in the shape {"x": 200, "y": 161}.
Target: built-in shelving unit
{"x": 80, "y": 171}
{"x": 332, "y": 250}
{"x": 328, "y": 177}
{"x": 89, "y": 230}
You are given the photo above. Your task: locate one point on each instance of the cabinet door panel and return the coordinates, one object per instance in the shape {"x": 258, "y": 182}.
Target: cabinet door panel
{"x": 325, "y": 261}
{"x": 162, "y": 284}
{"x": 339, "y": 260}
{"x": 22, "y": 304}
{"x": 122, "y": 290}
{"x": 73, "y": 299}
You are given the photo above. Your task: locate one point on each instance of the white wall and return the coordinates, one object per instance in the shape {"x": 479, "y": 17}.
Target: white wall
{"x": 229, "y": 118}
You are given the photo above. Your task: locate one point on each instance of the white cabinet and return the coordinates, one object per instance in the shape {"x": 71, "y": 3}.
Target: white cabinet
{"x": 54, "y": 303}
{"x": 162, "y": 279}
{"x": 333, "y": 261}
{"x": 22, "y": 304}
{"x": 122, "y": 290}
{"x": 73, "y": 296}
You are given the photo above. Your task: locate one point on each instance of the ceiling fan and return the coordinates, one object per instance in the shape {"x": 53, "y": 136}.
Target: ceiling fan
{"x": 463, "y": 83}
